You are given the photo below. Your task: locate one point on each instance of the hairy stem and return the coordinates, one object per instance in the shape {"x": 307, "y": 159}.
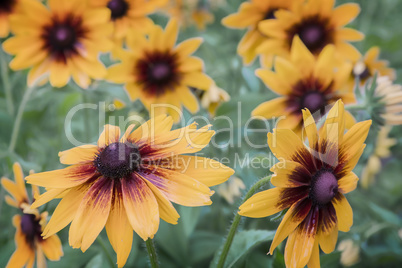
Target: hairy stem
{"x": 153, "y": 258}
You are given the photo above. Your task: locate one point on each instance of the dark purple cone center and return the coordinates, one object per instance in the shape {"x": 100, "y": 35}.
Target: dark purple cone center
{"x": 6, "y": 5}
{"x": 363, "y": 75}
{"x": 119, "y": 8}
{"x": 63, "y": 37}
{"x": 312, "y": 36}
{"x": 324, "y": 188}
{"x": 118, "y": 160}
{"x": 270, "y": 14}
{"x": 159, "y": 72}
{"x": 313, "y": 101}
{"x": 31, "y": 228}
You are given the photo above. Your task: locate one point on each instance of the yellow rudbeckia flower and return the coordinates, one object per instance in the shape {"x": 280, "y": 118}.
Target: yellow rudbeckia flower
{"x": 311, "y": 182}
{"x": 317, "y": 23}
{"x": 7, "y": 8}
{"x": 305, "y": 81}
{"x": 156, "y": 71}
{"x": 64, "y": 41}
{"x": 29, "y": 226}
{"x": 129, "y": 183}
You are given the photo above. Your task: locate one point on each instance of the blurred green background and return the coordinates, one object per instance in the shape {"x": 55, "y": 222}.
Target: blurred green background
{"x": 201, "y": 231}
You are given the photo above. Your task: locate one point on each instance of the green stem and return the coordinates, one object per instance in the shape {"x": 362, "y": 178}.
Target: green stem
{"x": 6, "y": 83}
{"x": 153, "y": 258}
{"x": 108, "y": 256}
{"x": 236, "y": 222}
{"x": 356, "y": 107}
{"x": 18, "y": 119}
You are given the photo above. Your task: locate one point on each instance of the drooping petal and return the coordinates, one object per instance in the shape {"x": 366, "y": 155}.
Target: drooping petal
{"x": 328, "y": 240}
{"x": 344, "y": 212}
{"x": 141, "y": 206}
{"x": 118, "y": 228}
{"x": 52, "y": 248}
{"x": 92, "y": 214}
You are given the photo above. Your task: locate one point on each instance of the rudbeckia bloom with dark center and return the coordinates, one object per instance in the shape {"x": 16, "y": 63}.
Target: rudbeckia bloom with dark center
{"x": 317, "y": 23}
{"x": 64, "y": 41}
{"x": 128, "y": 15}
{"x": 29, "y": 224}
{"x": 156, "y": 71}
{"x": 129, "y": 183}
{"x": 249, "y": 16}
{"x": 311, "y": 182}
{"x": 368, "y": 65}
{"x": 305, "y": 81}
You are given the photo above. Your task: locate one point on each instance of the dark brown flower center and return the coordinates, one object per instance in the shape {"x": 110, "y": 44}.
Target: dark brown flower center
{"x": 361, "y": 71}
{"x": 315, "y": 33}
{"x": 119, "y": 8}
{"x": 118, "y": 160}
{"x": 31, "y": 228}
{"x": 313, "y": 101}
{"x": 324, "y": 187}
{"x": 6, "y": 6}
{"x": 62, "y": 36}
{"x": 158, "y": 72}
{"x": 270, "y": 14}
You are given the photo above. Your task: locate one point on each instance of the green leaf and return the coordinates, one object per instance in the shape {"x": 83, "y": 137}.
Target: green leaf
{"x": 384, "y": 214}
{"x": 243, "y": 242}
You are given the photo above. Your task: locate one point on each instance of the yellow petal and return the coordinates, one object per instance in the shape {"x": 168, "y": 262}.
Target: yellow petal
{"x": 198, "y": 80}
{"x": 52, "y": 248}
{"x": 77, "y": 155}
{"x": 284, "y": 172}
{"x": 46, "y": 197}
{"x": 314, "y": 261}
{"x": 355, "y": 137}
{"x": 328, "y": 240}
{"x": 188, "y": 47}
{"x": 274, "y": 82}
{"x": 261, "y": 204}
{"x": 349, "y": 34}
{"x": 344, "y": 213}
{"x": 310, "y": 128}
{"x": 63, "y": 178}
{"x": 271, "y": 109}
{"x": 110, "y": 134}
{"x": 141, "y": 207}
{"x": 334, "y": 126}
{"x": 284, "y": 143}
{"x": 301, "y": 56}
{"x": 59, "y": 74}
{"x": 348, "y": 183}
{"x": 324, "y": 67}
{"x": 345, "y": 13}
{"x": 119, "y": 230}
{"x": 171, "y": 32}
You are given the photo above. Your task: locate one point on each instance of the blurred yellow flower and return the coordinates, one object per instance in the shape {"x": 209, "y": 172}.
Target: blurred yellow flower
{"x": 381, "y": 151}
{"x": 350, "y": 252}
{"x": 156, "y": 71}
{"x": 129, "y": 183}
{"x": 368, "y": 65}
{"x": 250, "y": 15}
{"x": 231, "y": 189}
{"x": 312, "y": 182}
{"x": 213, "y": 97}
{"x": 29, "y": 226}
{"x": 305, "y": 81}
{"x": 7, "y": 8}
{"x": 317, "y": 23}
{"x": 64, "y": 41}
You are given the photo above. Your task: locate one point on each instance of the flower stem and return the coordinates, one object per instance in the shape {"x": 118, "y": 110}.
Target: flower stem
{"x": 108, "y": 256}
{"x": 236, "y": 222}
{"x": 6, "y": 83}
{"x": 153, "y": 258}
{"x": 18, "y": 119}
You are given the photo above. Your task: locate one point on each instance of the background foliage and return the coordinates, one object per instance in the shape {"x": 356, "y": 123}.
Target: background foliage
{"x": 200, "y": 232}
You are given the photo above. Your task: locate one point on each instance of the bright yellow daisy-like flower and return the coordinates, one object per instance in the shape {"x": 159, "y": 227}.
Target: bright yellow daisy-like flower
{"x": 64, "y": 41}
{"x": 128, "y": 15}
{"x": 129, "y": 183}
{"x": 368, "y": 65}
{"x": 312, "y": 182}
{"x": 317, "y": 23}
{"x": 305, "y": 81}
{"x": 7, "y": 8}
{"x": 29, "y": 225}
{"x": 250, "y": 15}
{"x": 156, "y": 71}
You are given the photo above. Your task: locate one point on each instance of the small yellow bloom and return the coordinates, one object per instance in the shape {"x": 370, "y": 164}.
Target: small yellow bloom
{"x": 29, "y": 226}
{"x": 368, "y": 65}
{"x": 305, "y": 81}
{"x": 157, "y": 71}
{"x": 312, "y": 182}
{"x": 213, "y": 97}
{"x": 64, "y": 39}
{"x": 350, "y": 252}
{"x": 129, "y": 183}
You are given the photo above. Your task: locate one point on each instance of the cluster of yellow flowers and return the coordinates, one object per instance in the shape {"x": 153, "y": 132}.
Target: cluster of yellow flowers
{"x": 127, "y": 182}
